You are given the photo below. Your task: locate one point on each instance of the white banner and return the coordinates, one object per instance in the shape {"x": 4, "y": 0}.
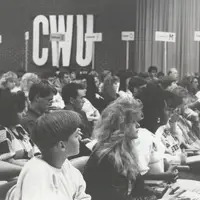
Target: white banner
{"x": 95, "y": 37}
{"x": 128, "y": 35}
{"x": 197, "y": 36}
{"x": 165, "y": 36}
{"x": 58, "y": 37}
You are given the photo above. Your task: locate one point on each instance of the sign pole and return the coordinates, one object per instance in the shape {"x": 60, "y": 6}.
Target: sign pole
{"x": 127, "y": 36}
{"x": 197, "y": 39}
{"x": 165, "y": 57}
{"x": 93, "y": 55}
{"x": 127, "y": 55}
{"x": 26, "y": 50}
{"x": 165, "y": 37}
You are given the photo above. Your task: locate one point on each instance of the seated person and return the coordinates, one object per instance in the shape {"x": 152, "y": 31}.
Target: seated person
{"x": 16, "y": 147}
{"x": 40, "y": 97}
{"x": 57, "y": 135}
{"x": 112, "y": 170}
{"x": 73, "y": 95}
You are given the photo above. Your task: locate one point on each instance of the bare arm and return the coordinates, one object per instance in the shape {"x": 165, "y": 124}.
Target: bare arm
{"x": 8, "y": 170}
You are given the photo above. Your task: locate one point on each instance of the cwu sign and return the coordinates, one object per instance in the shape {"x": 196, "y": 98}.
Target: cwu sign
{"x": 73, "y": 28}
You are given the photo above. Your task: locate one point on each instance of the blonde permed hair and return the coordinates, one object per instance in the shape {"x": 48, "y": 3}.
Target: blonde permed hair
{"x": 112, "y": 130}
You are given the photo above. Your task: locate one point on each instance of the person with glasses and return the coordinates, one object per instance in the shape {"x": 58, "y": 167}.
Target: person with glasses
{"x": 40, "y": 97}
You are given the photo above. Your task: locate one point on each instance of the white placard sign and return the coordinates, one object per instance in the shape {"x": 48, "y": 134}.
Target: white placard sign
{"x": 58, "y": 37}
{"x": 27, "y": 35}
{"x": 0, "y": 39}
{"x": 95, "y": 37}
{"x": 197, "y": 36}
{"x": 128, "y": 35}
{"x": 165, "y": 36}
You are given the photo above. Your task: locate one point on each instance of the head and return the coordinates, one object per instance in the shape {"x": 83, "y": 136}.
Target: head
{"x": 160, "y": 75}
{"x": 65, "y": 77}
{"x": 136, "y": 84}
{"x": 194, "y": 83}
{"x": 105, "y": 74}
{"x": 111, "y": 85}
{"x": 57, "y": 134}
{"x": 173, "y": 74}
{"x": 9, "y": 80}
{"x": 152, "y": 71}
{"x": 116, "y": 130}
{"x": 28, "y": 80}
{"x": 181, "y": 92}
{"x": 41, "y": 96}
{"x": 73, "y": 93}
{"x": 97, "y": 81}
{"x": 11, "y": 104}
{"x": 73, "y": 75}
{"x": 92, "y": 89}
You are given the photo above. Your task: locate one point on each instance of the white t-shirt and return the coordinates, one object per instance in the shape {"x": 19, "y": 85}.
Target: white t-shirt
{"x": 150, "y": 152}
{"x": 40, "y": 181}
{"x": 89, "y": 109}
{"x": 171, "y": 144}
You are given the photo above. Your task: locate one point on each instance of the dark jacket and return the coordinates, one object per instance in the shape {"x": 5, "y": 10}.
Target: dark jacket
{"x": 104, "y": 182}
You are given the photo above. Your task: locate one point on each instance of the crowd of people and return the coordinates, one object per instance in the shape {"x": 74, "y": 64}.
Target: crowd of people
{"x": 84, "y": 135}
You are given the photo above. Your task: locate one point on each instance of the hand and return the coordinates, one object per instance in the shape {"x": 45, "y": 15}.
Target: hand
{"x": 168, "y": 196}
{"x": 172, "y": 173}
{"x": 174, "y": 118}
{"x": 86, "y": 140}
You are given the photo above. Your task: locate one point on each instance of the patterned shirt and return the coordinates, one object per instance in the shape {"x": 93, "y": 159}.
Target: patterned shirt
{"x": 16, "y": 143}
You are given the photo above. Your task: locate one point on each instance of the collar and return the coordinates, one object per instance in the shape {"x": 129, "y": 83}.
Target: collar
{"x": 34, "y": 112}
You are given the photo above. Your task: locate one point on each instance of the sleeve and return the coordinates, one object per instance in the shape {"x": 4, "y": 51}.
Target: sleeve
{"x": 6, "y": 150}
{"x": 80, "y": 183}
{"x": 81, "y": 187}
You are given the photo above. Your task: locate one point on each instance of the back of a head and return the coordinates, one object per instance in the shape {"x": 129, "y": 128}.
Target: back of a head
{"x": 27, "y": 78}
{"x": 136, "y": 81}
{"x": 41, "y": 89}
{"x": 10, "y": 105}
{"x": 53, "y": 127}
{"x": 117, "y": 116}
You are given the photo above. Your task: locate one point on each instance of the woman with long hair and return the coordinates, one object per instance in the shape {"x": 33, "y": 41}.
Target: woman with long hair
{"x": 112, "y": 172}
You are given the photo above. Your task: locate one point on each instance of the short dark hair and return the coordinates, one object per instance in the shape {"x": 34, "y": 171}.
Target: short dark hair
{"x": 53, "y": 127}
{"x": 135, "y": 82}
{"x": 41, "y": 89}
{"x": 152, "y": 68}
{"x": 70, "y": 91}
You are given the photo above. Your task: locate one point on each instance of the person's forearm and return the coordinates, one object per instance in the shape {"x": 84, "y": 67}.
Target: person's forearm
{"x": 158, "y": 176}
{"x": 8, "y": 170}
{"x": 194, "y": 105}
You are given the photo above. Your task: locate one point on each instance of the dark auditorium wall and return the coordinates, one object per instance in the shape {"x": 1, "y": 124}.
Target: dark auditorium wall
{"x": 110, "y": 17}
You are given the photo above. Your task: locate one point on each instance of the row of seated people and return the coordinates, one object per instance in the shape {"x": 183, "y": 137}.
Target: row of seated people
{"x": 119, "y": 128}
{"x": 40, "y": 97}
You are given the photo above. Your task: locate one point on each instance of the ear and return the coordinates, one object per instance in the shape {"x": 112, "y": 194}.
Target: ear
{"x": 62, "y": 146}
{"x": 71, "y": 100}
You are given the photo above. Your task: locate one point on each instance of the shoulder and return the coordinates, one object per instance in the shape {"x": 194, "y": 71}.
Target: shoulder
{"x": 160, "y": 130}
